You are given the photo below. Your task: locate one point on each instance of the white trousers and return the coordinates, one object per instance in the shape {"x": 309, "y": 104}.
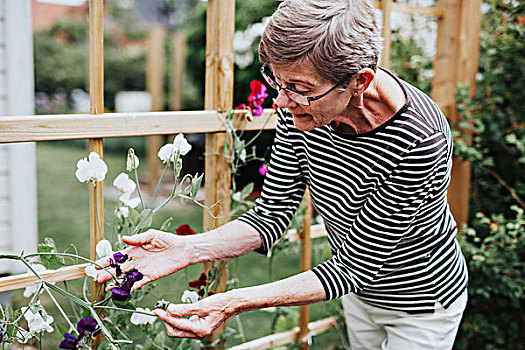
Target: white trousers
{"x": 373, "y": 328}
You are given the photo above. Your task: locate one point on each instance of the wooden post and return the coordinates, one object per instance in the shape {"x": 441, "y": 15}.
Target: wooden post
{"x": 386, "y": 6}
{"x": 305, "y": 265}
{"x": 456, "y": 61}
{"x": 218, "y": 95}
{"x": 178, "y": 63}
{"x": 96, "y": 99}
{"x": 154, "y": 85}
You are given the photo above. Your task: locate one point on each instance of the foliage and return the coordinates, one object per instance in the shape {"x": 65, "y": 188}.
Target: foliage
{"x": 491, "y": 135}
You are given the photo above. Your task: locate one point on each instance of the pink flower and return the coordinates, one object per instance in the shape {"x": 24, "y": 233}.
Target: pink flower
{"x": 257, "y": 97}
{"x": 263, "y": 170}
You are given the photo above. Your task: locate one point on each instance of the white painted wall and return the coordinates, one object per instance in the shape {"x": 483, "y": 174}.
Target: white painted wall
{"x": 18, "y": 196}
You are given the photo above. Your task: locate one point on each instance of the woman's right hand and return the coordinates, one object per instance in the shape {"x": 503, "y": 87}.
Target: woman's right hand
{"x": 154, "y": 253}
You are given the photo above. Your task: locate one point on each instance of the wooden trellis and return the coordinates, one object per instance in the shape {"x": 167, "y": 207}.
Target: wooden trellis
{"x": 456, "y": 61}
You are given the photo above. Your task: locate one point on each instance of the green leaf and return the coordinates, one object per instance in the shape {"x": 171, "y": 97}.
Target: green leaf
{"x": 124, "y": 304}
{"x": 196, "y": 185}
{"x": 134, "y": 216}
{"x": 60, "y": 329}
{"x": 247, "y": 190}
{"x": 146, "y": 219}
{"x": 50, "y": 262}
{"x": 166, "y": 224}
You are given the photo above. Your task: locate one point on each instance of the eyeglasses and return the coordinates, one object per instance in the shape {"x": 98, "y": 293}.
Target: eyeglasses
{"x": 295, "y": 96}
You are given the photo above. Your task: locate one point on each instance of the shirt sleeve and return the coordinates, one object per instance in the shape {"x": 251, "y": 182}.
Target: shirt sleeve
{"x": 283, "y": 190}
{"x": 386, "y": 217}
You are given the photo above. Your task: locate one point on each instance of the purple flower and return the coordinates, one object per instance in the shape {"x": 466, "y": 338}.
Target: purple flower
{"x": 116, "y": 266}
{"x": 263, "y": 170}
{"x": 70, "y": 342}
{"x": 134, "y": 275}
{"x": 120, "y": 293}
{"x": 120, "y": 258}
{"x": 88, "y": 325}
{"x": 1, "y": 335}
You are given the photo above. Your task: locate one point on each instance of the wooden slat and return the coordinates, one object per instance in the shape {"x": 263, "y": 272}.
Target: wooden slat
{"x": 316, "y": 231}
{"x": 82, "y": 126}
{"x": 178, "y": 61}
{"x": 305, "y": 265}
{"x": 29, "y": 279}
{"x": 386, "y": 7}
{"x": 412, "y": 10}
{"x": 220, "y": 23}
{"x": 96, "y": 101}
{"x": 279, "y": 339}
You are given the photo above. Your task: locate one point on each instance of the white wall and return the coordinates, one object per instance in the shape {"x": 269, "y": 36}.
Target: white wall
{"x": 18, "y": 199}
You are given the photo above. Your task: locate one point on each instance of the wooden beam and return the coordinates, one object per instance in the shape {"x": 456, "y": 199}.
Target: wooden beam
{"x": 412, "y": 10}
{"x": 29, "y": 279}
{"x": 96, "y": 99}
{"x": 316, "y": 231}
{"x": 279, "y": 339}
{"x": 83, "y": 126}
{"x": 220, "y": 22}
{"x": 178, "y": 63}
{"x": 305, "y": 265}
{"x": 386, "y": 7}
{"x": 155, "y": 61}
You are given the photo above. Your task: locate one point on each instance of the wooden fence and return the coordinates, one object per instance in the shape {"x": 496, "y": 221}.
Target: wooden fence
{"x": 456, "y": 61}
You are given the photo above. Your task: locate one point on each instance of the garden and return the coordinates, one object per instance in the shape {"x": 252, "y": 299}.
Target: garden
{"x": 79, "y": 223}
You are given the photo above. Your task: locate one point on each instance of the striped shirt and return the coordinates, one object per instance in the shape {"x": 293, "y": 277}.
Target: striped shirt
{"x": 382, "y": 195}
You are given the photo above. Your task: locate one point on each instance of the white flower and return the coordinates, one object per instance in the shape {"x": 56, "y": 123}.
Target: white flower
{"x": 92, "y": 272}
{"x": 124, "y": 183}
{"x": 36, "y": 322}
{"x": 168, "y": 152}
{"x": 122, "y": 212}
{"x": 104, "y": 248}
{"x": 190, "y": 297}
{"x": 181, "y": 144}
{"x": 91, "y": 168}
{"x": 138, "y": 319}
{"x": 132, "y": 161}
{"x": 29, "y": 291}
{"x": 237, "y": 196}
{"x": 126, "y": 199}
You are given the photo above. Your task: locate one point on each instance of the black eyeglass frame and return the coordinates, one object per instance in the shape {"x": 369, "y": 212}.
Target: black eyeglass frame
{"x": 271, "y": 82}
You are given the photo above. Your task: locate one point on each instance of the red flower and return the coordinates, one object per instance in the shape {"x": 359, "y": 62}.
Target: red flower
{"x": 200, "y": 282}
{"x": 241, "y": 106}
{"x": 184, "y": 230}
{"x": 257, "y": 97}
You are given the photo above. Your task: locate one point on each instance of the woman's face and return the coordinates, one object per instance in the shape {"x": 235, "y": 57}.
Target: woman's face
{"x": 304, "y": 79}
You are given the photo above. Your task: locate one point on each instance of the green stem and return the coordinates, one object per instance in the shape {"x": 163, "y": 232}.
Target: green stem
{"x": 166, "y": 167}
{"x": 60, "y": 309}
{"x": 96, "y": 211}
{"x": 68, "y": 295}
{"x": 40, "y": 340}
{"x": 126, "y": 310}
{"x": 138, "y": 188}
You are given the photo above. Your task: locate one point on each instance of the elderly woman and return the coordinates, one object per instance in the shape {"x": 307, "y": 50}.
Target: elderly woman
{"x": 376, "y": 154}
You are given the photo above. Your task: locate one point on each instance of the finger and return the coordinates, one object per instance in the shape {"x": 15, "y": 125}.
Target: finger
{"x": 179, "y": 310}
{"x": 139, "y": 239}
{"x": 177, "y": 333}
{"x": 193, "y": 330}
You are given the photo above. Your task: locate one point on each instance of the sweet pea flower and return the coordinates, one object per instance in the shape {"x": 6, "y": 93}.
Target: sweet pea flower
{"x": 132, "y": 162}
{"x": 263, "y": 170}
{"x": 123, "y": 211}
{"x": 185, "y": 230}
{"x": 70, "y": 342}
{"x": 92, "y": 168}
{"x": 104, "y": 249}
{"x": 124, "y": 183}
{"x": 138, "y": 319}
{"x": 190, "y": 297}
{"x": 88, "y": 325}
{"x": 36, "y": 322}
{"x": 92, "y": 272}
{"x": 168, "y": 152}
{"x": 29, "y": 291}
{"x": 126, "y": 199}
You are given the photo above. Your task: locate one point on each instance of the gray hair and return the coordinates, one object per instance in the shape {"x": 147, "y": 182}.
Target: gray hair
{"x": 337, "y": 37}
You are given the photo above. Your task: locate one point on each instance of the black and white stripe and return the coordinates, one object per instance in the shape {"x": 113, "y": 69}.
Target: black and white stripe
{"x": 383, "y": 197}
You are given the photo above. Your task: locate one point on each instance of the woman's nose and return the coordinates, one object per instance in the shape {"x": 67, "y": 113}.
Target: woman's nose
{"x": 284, "y": 101}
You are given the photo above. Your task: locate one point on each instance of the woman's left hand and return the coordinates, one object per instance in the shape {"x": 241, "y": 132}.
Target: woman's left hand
{"x": 206, "y": 315}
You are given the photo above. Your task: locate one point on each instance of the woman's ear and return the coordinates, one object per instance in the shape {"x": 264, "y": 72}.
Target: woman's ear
{"x": 363, "y": 79}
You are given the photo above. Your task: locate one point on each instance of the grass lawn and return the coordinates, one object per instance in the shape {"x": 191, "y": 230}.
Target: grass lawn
{"x": 63, "y": 216}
